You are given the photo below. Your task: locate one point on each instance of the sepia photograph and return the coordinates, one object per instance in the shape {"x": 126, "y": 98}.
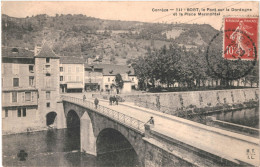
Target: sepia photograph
{"x": 130, "y": 83}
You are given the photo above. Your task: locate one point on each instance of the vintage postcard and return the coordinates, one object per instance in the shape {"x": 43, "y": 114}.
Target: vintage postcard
{"x": 130, "y": 83}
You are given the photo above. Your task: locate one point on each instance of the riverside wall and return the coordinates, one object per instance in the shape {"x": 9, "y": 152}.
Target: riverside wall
{"x": 200, "y": 99}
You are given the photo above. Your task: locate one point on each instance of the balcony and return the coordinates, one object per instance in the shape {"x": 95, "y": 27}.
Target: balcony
{"x": 19, "y": 103}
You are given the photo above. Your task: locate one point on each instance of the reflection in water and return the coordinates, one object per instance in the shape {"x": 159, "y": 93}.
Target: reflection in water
{"x": 124, "y": 158}
{"x": 46, "y": 148}
{"x": 113, "y": 149}
{"x": 247, "y": 117}
{"x": 73, "y": 134}
{"x": 59, "y": 148}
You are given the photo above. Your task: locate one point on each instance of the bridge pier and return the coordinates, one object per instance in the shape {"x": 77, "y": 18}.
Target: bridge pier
{"x": 87, "y": 138}
{"x": 61, "y": 118}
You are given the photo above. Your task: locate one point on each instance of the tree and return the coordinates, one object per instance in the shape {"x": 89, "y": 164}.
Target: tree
{"x": 119, "y": 82}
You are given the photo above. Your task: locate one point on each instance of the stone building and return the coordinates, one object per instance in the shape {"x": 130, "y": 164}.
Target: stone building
{"x": 19, "y": 92}
{"x": 103, "y": 75}
{"x": 93, "y": 77}
{"x": 47, "y": 83}
{"x": 30, "y": 90}
{"x": 71, "y": 74}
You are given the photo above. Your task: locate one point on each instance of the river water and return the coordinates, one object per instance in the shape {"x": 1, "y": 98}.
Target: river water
{"x": 61, "y": 147}
{"x": 46, "y": 148}
{"x": 247, "y": 117}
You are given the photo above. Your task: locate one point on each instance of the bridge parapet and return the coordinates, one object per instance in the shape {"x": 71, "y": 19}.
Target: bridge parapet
{"x": 117, "y": 116}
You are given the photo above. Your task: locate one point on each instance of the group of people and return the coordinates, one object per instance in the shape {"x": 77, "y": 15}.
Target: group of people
{"x": 114, "y": 99}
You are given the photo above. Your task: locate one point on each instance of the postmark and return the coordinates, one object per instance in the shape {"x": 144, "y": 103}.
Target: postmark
{"x": 227, "y": 69}
{"x": 240, "y": 38}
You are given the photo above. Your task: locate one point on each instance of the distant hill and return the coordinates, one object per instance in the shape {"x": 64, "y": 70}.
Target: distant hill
{"x": 113, "y": 40}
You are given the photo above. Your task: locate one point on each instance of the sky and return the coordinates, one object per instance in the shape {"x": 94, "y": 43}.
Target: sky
{"x": 130, "y": 11}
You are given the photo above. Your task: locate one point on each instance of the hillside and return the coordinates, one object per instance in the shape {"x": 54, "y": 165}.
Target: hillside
{"x": 109, "y": 40}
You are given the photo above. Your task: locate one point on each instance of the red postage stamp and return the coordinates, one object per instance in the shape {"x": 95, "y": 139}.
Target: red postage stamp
{"x": 240, "y": 38}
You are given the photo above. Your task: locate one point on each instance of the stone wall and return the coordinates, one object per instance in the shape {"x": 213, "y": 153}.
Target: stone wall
{"x": 200, "y": 99}
{"x": 164, "y": 151}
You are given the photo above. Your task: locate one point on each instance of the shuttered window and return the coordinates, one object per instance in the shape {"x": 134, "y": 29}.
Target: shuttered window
{"x": 14, "y": 97}
{"x": 48, "y": 95}
{"x": 27, "y": 96}
{"x": 15, "y": 82}
{"x": 19, "y": 113}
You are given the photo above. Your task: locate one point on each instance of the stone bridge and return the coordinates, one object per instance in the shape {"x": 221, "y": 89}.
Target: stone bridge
{"x": 171, "y": 142}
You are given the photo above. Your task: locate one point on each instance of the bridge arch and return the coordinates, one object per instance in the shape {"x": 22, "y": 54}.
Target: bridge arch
{"x": 73, "y": 119}
{"x": 114, "y": 149}
{"x": 50, "y": 118}
{"x": 93, "y": 124}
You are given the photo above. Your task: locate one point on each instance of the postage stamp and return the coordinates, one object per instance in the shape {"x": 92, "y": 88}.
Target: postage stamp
{"x": 240, "y": 38}
{"x": 129, "y": 83}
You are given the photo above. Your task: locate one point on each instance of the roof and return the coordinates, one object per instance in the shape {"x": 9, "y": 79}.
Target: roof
{"x": 71, "y": 60}
{"x": 9, "y": 52}
{"x": 90, "y": 66}
{"x": 46, "y": 51}
{"x": 111, "y": 69}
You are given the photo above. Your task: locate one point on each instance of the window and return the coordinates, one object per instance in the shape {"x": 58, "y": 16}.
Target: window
{"x": 19, "y": 112}
{"x": 133, "y": 79}
{"x": 108, "y": 79}
{"x": 15, "y": 82}
{"x": 15, "y": 68}
{"x": 61, "y": 78}
{"x": 69, "y": 69}
{"x": 30, "y": 68}
{"x": 15, "y": 50}
{"x": 47, "y": 60}
{"x": 31, "y": 80}
{"x": 48, "y": 104}
{"x": 47, "y": 68}
{"x": 14, "y": 96}
{"x": 24, "y": 112}
{"x": 27, "y": 96}
{"x": 48, "y": 95}
{"x": 47, "y": 82}
{"x": 6, "y": 113}
{"x": 61, "y": 69}
{"x": 69, "y": 78}
{"x": 48, "y": 74}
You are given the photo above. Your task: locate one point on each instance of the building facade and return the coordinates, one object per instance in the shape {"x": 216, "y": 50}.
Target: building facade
{"x": 47, "y": 83}
{"x": 71, "y": 74}
{"x": 30, "y": 90}
{"x": 32, "y": 82}
{"x": 19, "y": 93}
{"x": 103, "y": 75}
{"x": 93, "y": 78}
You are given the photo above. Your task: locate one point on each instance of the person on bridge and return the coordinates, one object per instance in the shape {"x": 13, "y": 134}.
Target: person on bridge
{"x": 84, "y": 98}
{"x": 151, "y": 121}
{"x": 96, "y": 102}
{"x": 116, "y": 98}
